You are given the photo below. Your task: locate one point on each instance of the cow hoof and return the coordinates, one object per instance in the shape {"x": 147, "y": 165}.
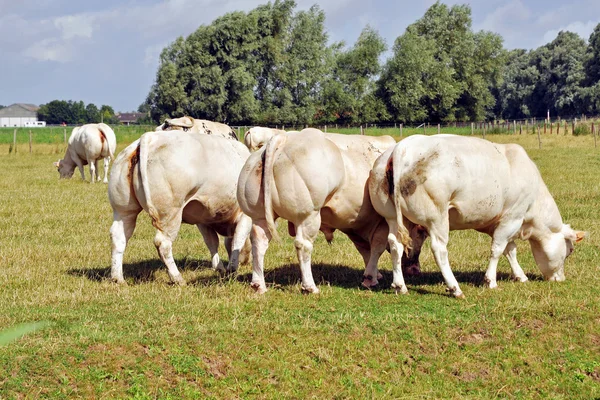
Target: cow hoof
{"x": 399, "y": 289}
{"x": 258, "y": 288}
{"x": 368, "y": 282}
{"x": 412, "y": 270}
{"x": 178, "y": 280}
{"x": 310, "y": 290}
{"x": 456, "y": 292}
{"x": 521, "y": 279}
{"x": 119, "y": 281}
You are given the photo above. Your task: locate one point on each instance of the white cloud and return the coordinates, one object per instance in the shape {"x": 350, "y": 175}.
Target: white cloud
{"x": 504, "y": 17}
{"x": 49, "y": 50}
{"x": 75, "y": 26}
{"x": 583, "y": 29}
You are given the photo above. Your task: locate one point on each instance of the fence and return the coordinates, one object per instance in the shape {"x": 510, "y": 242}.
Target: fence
{"x": 58, "y": 135}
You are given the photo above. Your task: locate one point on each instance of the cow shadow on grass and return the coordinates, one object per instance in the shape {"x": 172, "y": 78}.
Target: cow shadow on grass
{"x": 288, "y": 275}
{"x": 140, "y": 272}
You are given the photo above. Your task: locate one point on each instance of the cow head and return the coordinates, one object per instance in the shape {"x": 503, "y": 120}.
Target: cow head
{"x": 410, "y": 260}
{"x": 64, "y": 170}
{"x": 182, "y": 124}
{"x": 551, "y": 251}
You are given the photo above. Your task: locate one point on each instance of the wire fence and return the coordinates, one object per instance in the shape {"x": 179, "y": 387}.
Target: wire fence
{"x": 27, "y": 137}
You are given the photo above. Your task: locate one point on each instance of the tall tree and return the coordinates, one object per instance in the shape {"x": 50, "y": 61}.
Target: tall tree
{"x": 443, "y": 70}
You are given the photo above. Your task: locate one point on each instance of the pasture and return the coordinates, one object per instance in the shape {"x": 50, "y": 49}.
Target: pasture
{"x": 215, "y": 338}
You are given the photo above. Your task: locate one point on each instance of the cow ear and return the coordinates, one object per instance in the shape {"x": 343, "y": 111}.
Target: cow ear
{"x": 580, "y": 235}
{"x": 56, "y": 163}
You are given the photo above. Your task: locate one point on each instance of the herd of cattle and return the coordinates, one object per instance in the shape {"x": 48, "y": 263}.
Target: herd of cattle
{"x": 381, "y": 194}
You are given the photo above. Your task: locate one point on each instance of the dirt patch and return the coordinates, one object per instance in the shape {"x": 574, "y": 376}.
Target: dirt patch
{"x": 417, "y": 175}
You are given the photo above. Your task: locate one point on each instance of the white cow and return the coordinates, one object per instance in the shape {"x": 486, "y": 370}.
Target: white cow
{"x": 87, "y": 144}
{"x": 256, "y": 137}
{"x": 198, "y": 126}
{"x": 316, "y": 181}
{"x": 179, "y": 177}
{"x": 448, "y": 182}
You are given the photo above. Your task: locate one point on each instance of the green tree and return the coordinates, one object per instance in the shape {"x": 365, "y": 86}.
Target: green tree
{"x": 348, "y": 95}
{"x": 92, "y": 113}
{"x": 441, "y": 70}
{"x": 107, "y": 115}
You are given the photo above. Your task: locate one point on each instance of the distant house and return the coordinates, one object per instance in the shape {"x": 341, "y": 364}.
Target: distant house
{"x": 130, "y": 118}
{"x": 19, "y": 115}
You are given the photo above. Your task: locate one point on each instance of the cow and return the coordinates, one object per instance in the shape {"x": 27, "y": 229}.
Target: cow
{"x": 256, "y": 137}
{"x": 87, "y": 144}
{"x": 179, "y": 177}
{"x": 447, "y": 182}
{"x": 316, "y": 181}
{"x": 198, "y": 126}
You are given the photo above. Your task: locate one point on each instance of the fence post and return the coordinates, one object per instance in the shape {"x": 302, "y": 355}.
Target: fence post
{"x": 238, "y": 135}
{"x": 573, "y": 128}
{"x": 514, "y": 127}
{"x": 484, "y": 130}
{"x": 15, "y": 140}
{"x": 438, "y": 129}
{"x": 557, "y": 128}
{"x": 539, "y": 139}
{"x": 520, "y": 128}
{"x": 551, "y": 127}
{"x": 361, "y": 130}
{"x": 471, "y": 129}
{"x": 400, "y": 130}
{"x": 30, "y": 141}
{"x": 424, "y": 129}
{"x": 325, "y": 128}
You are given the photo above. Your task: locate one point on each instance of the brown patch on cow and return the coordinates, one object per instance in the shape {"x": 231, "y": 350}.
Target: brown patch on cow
{"x": 102, "y": 140}
{"x": 389, "y": 177}
{"x": 417, "y": 175}
{"x": 134, "y": 159}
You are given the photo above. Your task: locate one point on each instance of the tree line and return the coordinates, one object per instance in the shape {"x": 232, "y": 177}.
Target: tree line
{"x": 274, "y": 66}
{"x": 75, "y": 113}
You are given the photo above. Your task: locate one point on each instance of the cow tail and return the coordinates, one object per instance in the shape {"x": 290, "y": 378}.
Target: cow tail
{"x": 144, "y": 147}
{"x": 103, "y": 128}
{"x": 403, "y": 235}
{"x": 269, "y": 159}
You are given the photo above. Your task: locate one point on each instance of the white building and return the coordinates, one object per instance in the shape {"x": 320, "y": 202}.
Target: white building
{"x": 20, "y": 115}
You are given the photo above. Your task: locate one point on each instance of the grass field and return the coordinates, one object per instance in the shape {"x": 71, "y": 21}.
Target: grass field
{"x": 216, "y": 339}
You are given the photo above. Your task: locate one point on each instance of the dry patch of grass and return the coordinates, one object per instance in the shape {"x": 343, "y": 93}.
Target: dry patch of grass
{"x": 216, "y": 339}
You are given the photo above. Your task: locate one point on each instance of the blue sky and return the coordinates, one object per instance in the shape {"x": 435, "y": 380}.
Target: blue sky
{"x": 106, "y": 51}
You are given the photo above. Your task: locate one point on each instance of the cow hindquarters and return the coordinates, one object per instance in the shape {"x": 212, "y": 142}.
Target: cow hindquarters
{"x": 120, "y": 232}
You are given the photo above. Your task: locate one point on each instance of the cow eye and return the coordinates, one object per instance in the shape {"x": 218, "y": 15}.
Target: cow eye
{"x": 186, "y": 129}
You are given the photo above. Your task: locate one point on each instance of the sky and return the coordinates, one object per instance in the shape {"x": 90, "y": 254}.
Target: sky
{"x": 106, "y": 51}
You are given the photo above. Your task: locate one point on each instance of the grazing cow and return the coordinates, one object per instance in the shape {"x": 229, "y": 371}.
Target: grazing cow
{"x": 179, "y": 177}
{"x": 256, "y": 137}
{"x": 198, "y": 126}
{"x": 448, "y": 182}
{"x": 87, "y": 144}
{"x": 316, "y": 181}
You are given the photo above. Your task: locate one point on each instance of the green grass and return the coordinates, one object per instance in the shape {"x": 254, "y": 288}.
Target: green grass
{"x": 216, "y": 339}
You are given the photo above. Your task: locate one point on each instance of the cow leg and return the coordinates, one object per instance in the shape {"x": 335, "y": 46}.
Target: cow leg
{"x": 439, "y": 242}
{"x": 259, "y": 237}
{"x": 93, "y": 171}
{"x": 242, "y": 230}
{"x": 306, "y": 232}
{"x": 396, "y": 250}
{"x": 212, "y": 242}
{"x": 377, "y": 246}
{"x": 500, "y": 239}
{"x": 106, "y": 164}
{"x": 164, "y": 244}
{"x": 97, "y": 171}
{"x": 511, "y": 254}
{"x": 120, "y": 232}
